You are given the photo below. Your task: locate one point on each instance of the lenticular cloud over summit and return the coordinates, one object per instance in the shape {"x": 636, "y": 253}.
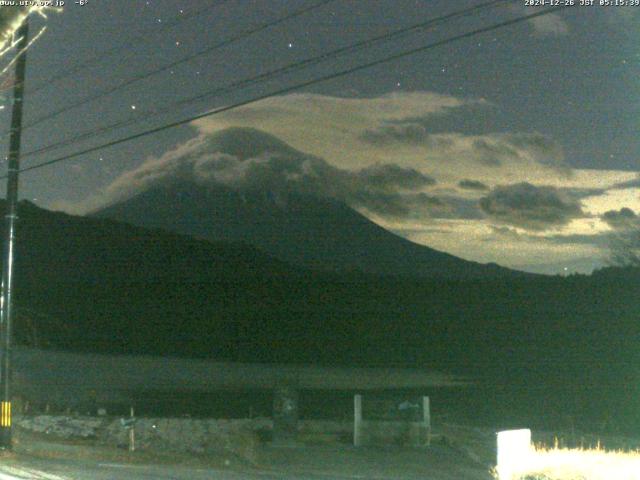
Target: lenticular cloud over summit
{"x": 248, "y": 160}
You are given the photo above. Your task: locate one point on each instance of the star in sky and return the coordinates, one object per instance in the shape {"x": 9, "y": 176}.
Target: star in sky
{"x": 504, "y": 69}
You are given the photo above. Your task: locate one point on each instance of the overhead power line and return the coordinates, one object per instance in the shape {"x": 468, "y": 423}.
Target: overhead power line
{"x": 298, "y": 86}
{"x": 269, "y": 75}
{"x": 165, "y": 68}
{"x": 141, "y": 37}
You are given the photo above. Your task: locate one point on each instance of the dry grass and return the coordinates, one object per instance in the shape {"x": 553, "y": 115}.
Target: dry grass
{"x": 544, "y": 463}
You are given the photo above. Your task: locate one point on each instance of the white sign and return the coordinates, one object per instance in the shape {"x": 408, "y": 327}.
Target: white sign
{"x": 514, "y": 452}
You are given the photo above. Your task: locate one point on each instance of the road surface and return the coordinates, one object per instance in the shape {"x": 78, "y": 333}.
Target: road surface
{"x": 294, "y": 464}
{"x": 114, "y": 471}
{"x": 56, "y": 470}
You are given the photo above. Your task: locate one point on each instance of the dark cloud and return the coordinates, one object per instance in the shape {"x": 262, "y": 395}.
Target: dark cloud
{"x": 534, "y": 141}
{"x": 472, "y": 185}
{"x": 492, "y": 154}
{"x": 420, "y": 206}
{"x": 422, "y": 199}
{"x": 409, "y": 133}
{"x": 599, "y": 240}
{"x": 624, "y": 240}
{"x": 476, "y": 118}
{"x": 544, "y": 148}
{"x": 530, "y": 207}
{"x": 492, "y": 149}
{"x": 500, "y": 230}
{"x": 584, "y": 192}
{"x": 393, "y": 176}
{"x": 620, "y": 246}
{"x": 634, "y": 183}
{"x": 461, "y": 208}
{"x": 623, "y": 219}
{"x": 625, "y": 249}
{"x": 412, "y": 133}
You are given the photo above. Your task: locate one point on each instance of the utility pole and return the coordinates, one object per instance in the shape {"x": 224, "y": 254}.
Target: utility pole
{"x": 9, "y": 239}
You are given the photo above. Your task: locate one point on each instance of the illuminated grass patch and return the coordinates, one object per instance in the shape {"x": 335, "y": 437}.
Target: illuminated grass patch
{"x": 576, "y": 464}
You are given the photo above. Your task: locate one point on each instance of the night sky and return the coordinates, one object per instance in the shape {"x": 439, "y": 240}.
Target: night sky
{"x": 526, "y": 137}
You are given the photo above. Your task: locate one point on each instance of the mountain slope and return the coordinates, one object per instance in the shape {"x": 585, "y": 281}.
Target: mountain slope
{"x": 305, "y": 229}
{"x": 104, "y": 286}
{"x": 535, "y": 343}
